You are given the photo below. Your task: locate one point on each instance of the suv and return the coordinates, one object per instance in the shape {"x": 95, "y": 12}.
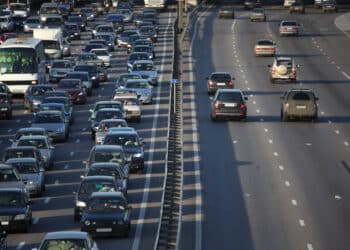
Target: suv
{"x": 229, "y": 103}
{"x": 299, "y": 103}
{"x": 219, "y": 80}
{"x": 283, "y": 68}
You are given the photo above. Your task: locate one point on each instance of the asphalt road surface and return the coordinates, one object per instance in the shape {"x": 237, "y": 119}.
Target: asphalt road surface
{"x": 264, "y": 184}
{"x": 54, "y": 211}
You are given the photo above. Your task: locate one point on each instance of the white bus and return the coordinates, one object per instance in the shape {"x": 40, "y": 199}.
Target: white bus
{"x": 22, "y": 63}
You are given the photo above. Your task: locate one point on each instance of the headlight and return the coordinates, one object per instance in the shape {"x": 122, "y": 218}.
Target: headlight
{"x": 31, "y": 182}
{"x": 138, "y": 155}
{"x": 75, "y": 33}
{"x": 65, "y": 48}
{"x": 109, "y": 44}
{"x": 80, "y": 204}
{"x": 80, "y": 94}
{"x": 93, "y": 77}
{"x": 87, "y": 223}
{"x": 34, "y": 82}
{"x": 26, "y": 26}
{"x": 39, "y": 26}
{"x": 20, "y": 217}
{"x": 36, "y": 102}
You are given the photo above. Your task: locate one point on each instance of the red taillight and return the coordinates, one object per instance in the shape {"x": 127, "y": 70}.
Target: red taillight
{"x": 242, "y": 106}
{"x": 231, "y": 84}
{"x": 211, "y": 83}
{"x": 55, "y": 86}
{"x": 217, "y": 105}
{"x": 294, "y": 70}
{"x": 283, "y": 28}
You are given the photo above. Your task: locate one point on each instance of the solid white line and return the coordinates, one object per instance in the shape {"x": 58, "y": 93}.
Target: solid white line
{"x": 302, "y": 223}
{"x": 275, "y": 154}
{"x": 47, "y": 200}
{"x": 295, "y": 203}
{"x": 309, "y": 246}
{"x": 142, "y": 213}
{"x": 270, "y": 141}
{"x": 20, "y": 245}
{"x": 346, "y": 75}
{"x": 287, "y": 183}
{"x": 36, "y": 220}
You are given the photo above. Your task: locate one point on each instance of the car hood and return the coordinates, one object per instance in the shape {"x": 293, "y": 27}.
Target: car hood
{"x": 28, "y": 177}
{"x": 83, "y": 197}
{"x": 132, "y": 150}
{"x": 103, "y": 216}
{"x": 12, "y": 184}
{"x": 48, "y": 126}
{"x": 12, "y": 210}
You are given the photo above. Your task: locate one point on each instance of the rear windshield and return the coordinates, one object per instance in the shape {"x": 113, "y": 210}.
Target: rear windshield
{"x": 289, "y": 24}
{"x": 301, "y": 96}
{"x": 48, "y": 118}
{"x": 265, "y": 42}
{"x": 221, "y": 77}
{"x": 89, "y": 187}
{"x": 108, "y": 157}
{"x": 229, "y": 97}
{"x": 287, "y": 63}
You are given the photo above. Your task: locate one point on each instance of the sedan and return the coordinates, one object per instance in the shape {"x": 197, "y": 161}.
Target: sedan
{"x": 57, "y": 106}
{"x": 142, "y": 88}
{"x": 75, "y": 89}
{"x": 102, "y": 114}
{"x": 147, "y": 70}
{"x": 219, "y": 80}
{"x": 27, "y": 131}
{"x": 65, "y": 100}
{"x": 226, "y": 12}
{"x": 265, "y": 47}
{"x": 59, "y": 69}
{"x": 34, "y": 96}
{"x": 289, "y": 28}
{"x": 85, "y": 79}
{"x": 103, "y": 55}
{"x": 105, "y": 125}
{"x": 107, "y": 214}
{"x": 31, "y": 23}
{"x": 136, "y": 56}
{"x": 258, "y": 14}
{"x": 54, "y": 122}
{"x": 146, "y": 49}
{"x": 149, "y": 32}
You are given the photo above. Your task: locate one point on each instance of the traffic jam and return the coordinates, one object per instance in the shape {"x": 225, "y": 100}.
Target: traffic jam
{"x": 100, "y": 63}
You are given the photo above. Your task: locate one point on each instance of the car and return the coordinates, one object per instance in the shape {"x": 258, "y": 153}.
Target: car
{"x": 110, "y": 212}
{"x": 289, "y": 28}
{"x": 6, "y": 105}
{"x": 258, "y": 14}
{"x": 108, "y": 38}
{"x": 105, "y": 104}
{"x": 18, "y": 22}
{"x": 219, "y": 80}
{"x": 87, "y": 186}
{"x": 146, "y": 69}
{"x": 7, "y": 35}
{"x": 41, "y": 142}
{"x": 142, "y": 88}
{"x": 144, "y": 48}
{"x": 297, "y": 6}
{"x": 16, "y": 210}
{"x": 53, "y": 21}
{"x": 149, "y": 32}
{"x": 131, "y": 104}
{"x": 92, "y": 70}
{"x": 34, "y": 96}
{"x": 132, "y": 145}
{"x": 283, "y": 69}
{"x": 90, "y": 46}
{"x": 124, "y": 37}
{"x": 74, "y": 88}
{"x": 32, "y": 22}
{"x": 102, "y": 114}
{"x": 90, "y": 58}
{"x": 105, "y": 125}
{"x": 6, "y": 24}
{"x": 22, "y": 152}
{"x": 132, "y": 40}
{"x": 229, "y": 103}
{"x": 84, "y": 77}
{"x": 67, "y": 240}
{"x": 134, "y": 56}
{"x": 59, "y": 69}
{"x": 89, "y": 13}
{"x": 58, "y": 97}
{"x": 226, "y": 12}
{"x": 124, "y": 77}
{"x": 116, "y": 20}
{"x": 57, "y": 106}
{"x": 103, "y": 28}
{"x": 54, "y": 122}
{"x": 251, "y": 4}
{"x": 71, "y": 31}
{"x": 103, "y": 55}
{"x": 9, "y": 177}
{"x": 144, "y": 41}
{"x": 31, "y": 172}
{"x": 265, "y": 47}
{"x": 127, "y": 14}
{"x": 77, "y": 20}
{"x": 109, "y": 169}
{"x": 299, "y": 103}
{"x": 27, "y": 131}
{"x": 329, "y": 6}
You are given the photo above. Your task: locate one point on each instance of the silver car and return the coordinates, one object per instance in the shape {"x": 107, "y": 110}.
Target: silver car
{"x": 31, "y": 23}
{"x": 31, "y": 172}
{"x": 103, "y": 55}
{"x": 105, "y": 125}
{"x": 53, "y": 122}
{"x": 27, "y": 131}
{"x": 258, "y": 14}
{"x": 43, "y": 143}
{"x": 84, "y": 77}
{"x": 6, "y": 24}
{"x": 142, "y": 88}
{"x": 147, "y": 70}
{"x": 289, "y": 28}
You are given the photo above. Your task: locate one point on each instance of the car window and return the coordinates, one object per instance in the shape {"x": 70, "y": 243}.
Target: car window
{"x": 301, "y": 96}
{"x": 8, "y": 175}
{"x": 88, "y": 187}
{"x": 19, "y": 154}
{"x": 221, "y": 77}
{"x": 229, "y": 97}
{"x": 122, "y": 140}
{"x": 143, "y": 66}
{"x": 11, "y": 199}
{"x": 105, "y": 172}
{"x": 26, "y": 167}
{"x": 106, "y": 204}
{"x": 48, "y": 118}
{"x": 108, "y": 157}
{"x": 39, "y": 143}
{"x": 108, "y": 115}
{"x": 265, "y": 42}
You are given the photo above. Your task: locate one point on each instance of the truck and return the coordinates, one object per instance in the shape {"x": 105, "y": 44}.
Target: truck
{"x": 52, "y": 40}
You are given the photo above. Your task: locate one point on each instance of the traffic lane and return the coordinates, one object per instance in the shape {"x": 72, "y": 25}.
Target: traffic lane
{"x": 296, "y": 136}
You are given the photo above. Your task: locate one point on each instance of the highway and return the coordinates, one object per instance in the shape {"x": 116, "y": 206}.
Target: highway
{"x": 54, "y": 211}
{"x": 264, "y": 184}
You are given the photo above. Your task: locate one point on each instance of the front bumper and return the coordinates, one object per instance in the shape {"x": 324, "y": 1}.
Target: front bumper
{"x": 13, "y": 225}
{"x": 105, "y": 228}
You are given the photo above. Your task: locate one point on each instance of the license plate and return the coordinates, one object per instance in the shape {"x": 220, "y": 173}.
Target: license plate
{"x": 301, "y": 107}
{"x": 4, "y": 223}
{"x": 221, "y": 84}
{"x": 230, "y": 104}
{"x": 103, "y": 230}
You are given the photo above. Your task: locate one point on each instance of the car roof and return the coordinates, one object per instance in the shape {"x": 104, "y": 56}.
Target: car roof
{"x": 106, "y": 102}
{"x": 24, "y": 159}
{"x": 107, "y": 148}
{"x": 136, "y": 80}
{"x": 230, "y": 90}
{"x": 220, "y": 72}
{"x": 66, "y": 235}
{"x": 49, "y": 112}
{"x": 108, "y": 109}
{"x": 283, "y": 58}
{"x": 105, "y": 164}
{"x": 107, "y": 194}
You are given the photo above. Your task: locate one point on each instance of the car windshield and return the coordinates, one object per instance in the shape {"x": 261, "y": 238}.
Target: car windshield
{"x": 265, "y": 42}
{"x": 75, "y": 19}
{"x": 229, "y": 97}
{"x": 33, "y": 20}
{"x": 18, "y": 60}
{"x": 105, "y": 126}
{"x": 19, "y": 154}
{"x": 8, "y": 175}
{"x": 103, "y": 37}
{"x": 137, "y": 84}
{"x": 108, "y": 157}
{"x": 104, "y": 29}
{"x": 48, "y": 118}
{"x": 88, "y": 187}
{"x": 122, "y": 140}
{"x": 104, "y": 171}
{"x": 61, "y": 65}
{"x": 142, "y": 49}
{"x": 69, "y": 84}
{"x": 44, "y": 107}
{"x": 258, "y": 10}
{"x": 71, "y": 27}
{"x": 63, "y": 100}
{"x": 100, "y": 52}
{"x": 40, "y": 90}
{"x": 221, "y": 77}
{"x": 108, "y": 115}
{"x": 289, "y": 24}
{"x": 26, "y": 167}
{"x": 138, "y": 56}
{"x": 106, "y": 205}
{"x": 39, "y": 143}
{"x": 11, "y": 199}
{"x": 123, "y": 79}
{"x": 143, "y": 66}
{"x": 287, "y": 63}
{"x": 49, "y": 10}
{"x": 28, "y": 133}
{"x": 83, "y": 77}
{"x": 64, "y": 244}
{"x": 129, "y": 101}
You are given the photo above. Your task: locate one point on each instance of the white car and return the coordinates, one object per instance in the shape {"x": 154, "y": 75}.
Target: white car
{"x": 130, "y": 102}
{"x": 146, "y": 69}
{"x": 6, "y": 24}
{"x": 103, "y": 55}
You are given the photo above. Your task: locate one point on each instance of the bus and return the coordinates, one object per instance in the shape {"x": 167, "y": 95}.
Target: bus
{"x": 22, "y": 63}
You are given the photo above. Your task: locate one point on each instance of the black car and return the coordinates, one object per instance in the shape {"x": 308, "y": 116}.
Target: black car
{"x": 219, "y": 80}
{"x": 34, "y": 96}
{"x": 18, "y": 22}
{"x": 6, "y": 105}
{"x": 92, "y": 71}
{"x": 80, "y": 21}
{"x": 89, "y": 185}
{"x": 107, "y": 214}
{"x": 102, "y": 114}
{"x": 15, "y": 209}
{"x": 71, "y": 31}
{"x": 229, "y": 103}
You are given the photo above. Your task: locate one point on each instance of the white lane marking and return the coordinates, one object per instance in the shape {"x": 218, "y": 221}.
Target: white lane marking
{"x": 322, "y": 113}
{"x": 257, "y": 111}
{"x": 346, "y": 75}
{"x": 47, "y": 200}
{"x": 18, "y": 120}
{"x": 77, "y": 140}
{"x": 66, "y": 166}
{"x": 20, "y": 245}
{"x": 302, "y": 223}
{"x": 261, "y": 119}
{"x": 275, "y": 154}
{"x": 337, "y": 197}
{"x": 246, "y": 82}
{"x": 308, "y": 144}
{"x": 281, "y": 167}
{"x": 57, "y": 182}
{"x": 83, "y": 129}
{"x": 71, "y": 154}
{"x": 9, "y": 130}
{"x": 338, "y": 67}
{"x": 142, "y": 213}
{"x": 287, "y": 183}
{"x": 337, "y": 132}
{"x": 266, "y": 130}
{"x": 254, "y": 102}
{"x": 36, "y": 220}
{"x": 309, "y": 246}
{"x": 346, "y": 143}
{"x": 294, "y": 203}
{"x": 235, "y": 141}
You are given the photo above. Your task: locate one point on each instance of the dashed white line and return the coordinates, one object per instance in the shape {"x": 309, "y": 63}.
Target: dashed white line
{"x": 66, "y": 166}
{"x": 346, "y": 75}
{"x": 254, "y": 102}
{"x": 36, "y": 220}
{"x": 9, "y": 130}
{"x": 275, "y": 154}
{"x": 287, "y": 183}
{"x": 346, "y": 143}
{"x": 337, "y": 132}
{"x": 266, "y": 130}
{"x": 308, "y": 144}
{"x": 235, "y": 141}
{"x": 257, "y": 111}
{"x": 281, "y": 167}
{"x": 20, "y": 245}
{"x": 71, "y": 153}
{"x": 309, "y": 246}
{"x": 302, "y": 223}
{"x": 77, "y": 141}
{"x": 294, "y": 203}
{"x": 270, "y": 141}
{"x": 47, "y": 200}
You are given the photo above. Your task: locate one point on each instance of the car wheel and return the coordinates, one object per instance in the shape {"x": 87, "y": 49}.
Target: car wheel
{"x": 127, "y": 231}
{"x": 9, "y": 115}
{"x": 76, "y": 216}
{"x": 89, "y": 92}
{"x": 213, "y": 118}
{"x": 284, "y": 117}
{"x": 272, "y": 80}
{"x": 314, "y": 119}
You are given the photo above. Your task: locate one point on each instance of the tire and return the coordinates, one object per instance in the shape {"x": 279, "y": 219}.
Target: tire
{"x": 213, "y": 118}
{"x": 89, "y": 92}
{"x": 127, "y": 231}
{"x": 314, "y": 119}
{"x": 272, "y": 80}
{"x": 284, "y": 117}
